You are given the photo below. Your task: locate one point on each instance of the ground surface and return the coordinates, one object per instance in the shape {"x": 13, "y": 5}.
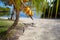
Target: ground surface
{"x": 37, "y": 29}
{"x": 42, "y": 29}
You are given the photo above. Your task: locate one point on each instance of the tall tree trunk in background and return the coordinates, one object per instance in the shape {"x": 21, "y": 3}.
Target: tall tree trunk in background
{"x": 15, "y": 22}
{"x": 12, "y": 18}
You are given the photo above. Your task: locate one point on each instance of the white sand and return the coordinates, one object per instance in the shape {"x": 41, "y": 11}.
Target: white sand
{"x": 45, "y": 29}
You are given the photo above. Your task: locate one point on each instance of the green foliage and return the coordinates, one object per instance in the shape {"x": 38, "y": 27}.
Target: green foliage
{"x": 4, "y": 24}
{"x": 4, "y": 11}
{"x": 17, "y": 4}
{"x": 39, "y": 5}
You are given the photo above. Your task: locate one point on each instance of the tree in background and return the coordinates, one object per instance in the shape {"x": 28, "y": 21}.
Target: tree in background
{"x": 52, "y": 11}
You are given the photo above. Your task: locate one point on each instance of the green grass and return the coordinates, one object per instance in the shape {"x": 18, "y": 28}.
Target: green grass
{"x": 5, "y": 24}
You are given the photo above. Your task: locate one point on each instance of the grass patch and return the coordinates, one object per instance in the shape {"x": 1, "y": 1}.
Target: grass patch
{"x": 4, "y": 25}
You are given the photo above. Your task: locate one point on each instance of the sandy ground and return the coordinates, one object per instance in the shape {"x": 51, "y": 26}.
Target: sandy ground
{"x": 42, "y": 29}
{"x": 39, "y": 29}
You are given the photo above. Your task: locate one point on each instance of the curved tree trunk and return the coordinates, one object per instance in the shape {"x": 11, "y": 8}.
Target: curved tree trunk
{"x": 15, "y": 22}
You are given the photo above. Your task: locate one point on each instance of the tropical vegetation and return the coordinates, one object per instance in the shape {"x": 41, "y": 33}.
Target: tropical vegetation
{"x": 4, "y": 11}
{"x": 48, "y": 9}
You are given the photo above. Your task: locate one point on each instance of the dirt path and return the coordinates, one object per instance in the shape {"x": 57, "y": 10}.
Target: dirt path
{"x": 43, "y": 29}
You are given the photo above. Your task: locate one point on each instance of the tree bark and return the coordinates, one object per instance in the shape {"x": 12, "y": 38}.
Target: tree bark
{"x": 15, "y": 22}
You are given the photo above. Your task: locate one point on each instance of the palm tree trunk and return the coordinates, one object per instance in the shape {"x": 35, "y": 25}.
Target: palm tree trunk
{"x": 15, "y": 22}
{"x": 12, "y": 15}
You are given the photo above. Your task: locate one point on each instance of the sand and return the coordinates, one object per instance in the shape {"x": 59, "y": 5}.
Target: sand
{"x": 42, "y": 29}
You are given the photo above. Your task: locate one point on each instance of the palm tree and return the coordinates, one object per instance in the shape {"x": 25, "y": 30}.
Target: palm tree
{"x": 18, "y": 4}
{"x": 52, "y": 11}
